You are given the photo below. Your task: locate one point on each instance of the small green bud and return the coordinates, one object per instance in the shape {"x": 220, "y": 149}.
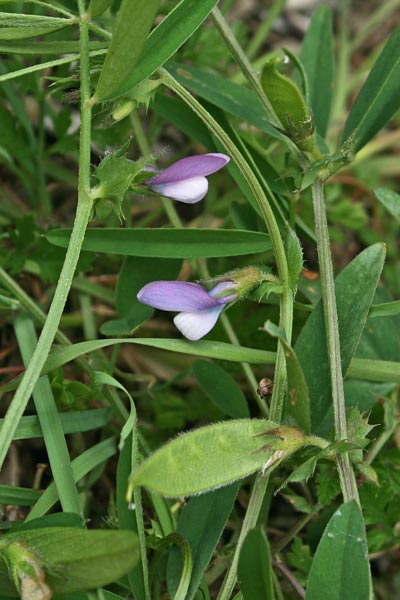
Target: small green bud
{"x": 290, "y": 107}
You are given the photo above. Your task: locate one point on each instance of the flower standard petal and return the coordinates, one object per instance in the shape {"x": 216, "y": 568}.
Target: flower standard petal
{"x": 189, "y": 167}
{"x": 190, "y": 190}
{"x": 176, "y": 296}
{"x": 195, "y": 325}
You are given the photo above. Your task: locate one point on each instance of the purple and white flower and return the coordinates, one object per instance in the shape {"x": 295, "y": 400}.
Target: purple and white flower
{"x": 185, "y": 180}
{"x": 198, "y": 308}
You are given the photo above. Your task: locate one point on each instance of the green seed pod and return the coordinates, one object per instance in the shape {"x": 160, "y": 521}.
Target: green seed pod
{"x": 290, "y": 107}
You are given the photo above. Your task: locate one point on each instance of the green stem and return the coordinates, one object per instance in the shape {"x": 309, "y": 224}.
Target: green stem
{"x": 84, "y": 208}
{"x": 249, "y": 522}
{"x": 345, "y": 469}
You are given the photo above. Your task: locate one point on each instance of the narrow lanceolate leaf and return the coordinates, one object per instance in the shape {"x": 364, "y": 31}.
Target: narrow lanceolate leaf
{"x": 214, "y": 456}
{"x": 230, "y": 97}
{"x": 167, "y": 243}
{"x": 297, "y": 407}
{"x": 340, "y": 567}
{"x": 132, "y": 27}
{"x": 74, "y": 559}
{"x": 355, "y": 289}
{"x": 294, "y": 254}
{"x": 379, "y": 98}
{"x": 19, "y": 26}
{"x": 166, "y": 38}
{"x": 317, "y": 57}
{"x": 254, "y": 568}
{"x": 390, "y": 200}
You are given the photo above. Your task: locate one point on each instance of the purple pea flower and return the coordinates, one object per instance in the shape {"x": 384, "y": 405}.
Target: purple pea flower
{"x": 185, "y": 180}
{"x": 198, "y": 308}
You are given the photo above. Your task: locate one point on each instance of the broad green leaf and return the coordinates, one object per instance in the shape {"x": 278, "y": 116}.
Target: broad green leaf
{"x": 379, "y": 98}
{"x": 19, "y": 26}
{"x": 340, "y": 569}
{"x": 71, "y": 422}
{"x": 221, "y": 389}
{"x": 219, "y": 350}
{"x": 165, "y": 39}
{"x": 355, "y": 289}
{"x": 213, "y": 456}
{"x": 194, "y": 526}
{"x": 297, "y": 406}
{"x": 132, "y": 26}
{"x": 167, "y": 243}
{"x": 76, "y": 559}
{"x": 317, "y": 57}
{"x": 230, "y": 97}
{"x": 390, "y": 200}
{"x": 135, "y": 273}
{"x": 254, "y": 568}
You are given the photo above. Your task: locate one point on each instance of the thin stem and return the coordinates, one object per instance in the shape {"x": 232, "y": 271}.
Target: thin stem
{"x": 251, "y": 76}
{"x": 345, "y": 469}
{"x": 84, "y": 208}
{"x": 249, "y": 522}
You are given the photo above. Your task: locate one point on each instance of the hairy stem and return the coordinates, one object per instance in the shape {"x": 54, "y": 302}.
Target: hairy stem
{"x": 345, "y": 469}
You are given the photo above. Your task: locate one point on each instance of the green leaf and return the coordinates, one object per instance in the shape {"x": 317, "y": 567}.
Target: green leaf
{"x": 230, "y": 97}
{"x": 194, "y": 526}
{"x": 297, "y": 407}
{"x": 254, "y": 568}
{"x": 15, "y": 26}
{"x": 132, "y": 26}
{"x": 219, "y": 350}
{"x": 340, "y": 569}
{"x": 387, "y": 309}
{"x": 165, "y": 39}
{"x": 75, "y": 559}
{"x": 214, "y": 456}
{"x": 390, "y": 200}
{"x": 219, "y": 386}
{"x": 135, "y": 273}
{"x": 355, "y": 289}
{"x": 167, "y": 243}
{"x": 379, "y": 98}
{"x": 317, "y": 57}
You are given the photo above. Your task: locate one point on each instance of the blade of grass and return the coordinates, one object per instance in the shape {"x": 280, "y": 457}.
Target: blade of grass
{"x": 50, "y": 422}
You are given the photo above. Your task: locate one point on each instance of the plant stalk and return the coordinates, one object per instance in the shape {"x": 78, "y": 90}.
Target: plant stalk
{"x": 345, "y": 469}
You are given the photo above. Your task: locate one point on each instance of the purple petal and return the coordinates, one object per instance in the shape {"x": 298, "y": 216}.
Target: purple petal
{"x": 191, "y": 166}
{"x": 176, "y": 296}
{"x": 222, "y": 286}
{"x": 189, "y": 191}
{"x": 195, "y": 325}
